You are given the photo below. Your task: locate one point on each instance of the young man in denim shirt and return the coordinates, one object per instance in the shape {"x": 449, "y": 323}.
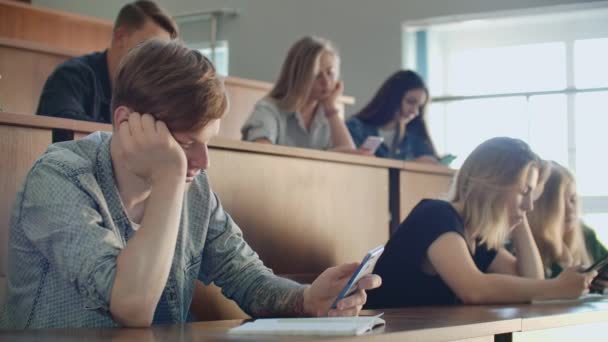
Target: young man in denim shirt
{"x": 114, "y": 229}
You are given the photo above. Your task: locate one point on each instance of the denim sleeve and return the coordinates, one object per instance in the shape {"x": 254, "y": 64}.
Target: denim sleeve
{"x": 65, "y": 93}
{"x": 262, "y": 123}
{"x": 421, "y": 146}
{"x": 231, "y": 264}
{"x": 62, "y": 222}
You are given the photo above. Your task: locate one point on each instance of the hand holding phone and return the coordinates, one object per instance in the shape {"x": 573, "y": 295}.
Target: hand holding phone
{"x": 366, "y": 267}
{"x": 597, "y": 265}
{"x": 372, "y": 143}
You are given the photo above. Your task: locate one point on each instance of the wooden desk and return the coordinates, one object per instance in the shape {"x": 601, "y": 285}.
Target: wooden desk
{"x": 576, "y": 320}
{"x": 477, "y": 324}
{"x": 53, "y": 28}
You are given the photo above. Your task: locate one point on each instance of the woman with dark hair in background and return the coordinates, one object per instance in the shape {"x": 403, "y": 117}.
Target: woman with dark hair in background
{"x": 396, "y": 113}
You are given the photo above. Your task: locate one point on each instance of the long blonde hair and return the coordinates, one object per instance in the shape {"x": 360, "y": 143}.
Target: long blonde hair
{"x": 298, "y": 72}
{"x": 547, "y": 222}
{"x": 488, "y": 173}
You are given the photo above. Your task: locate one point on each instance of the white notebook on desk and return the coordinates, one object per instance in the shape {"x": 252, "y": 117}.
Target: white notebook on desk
{"x": 322, "y": 326}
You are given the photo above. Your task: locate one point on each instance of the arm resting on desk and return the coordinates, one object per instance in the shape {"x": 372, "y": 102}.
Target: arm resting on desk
{"x": 450, "y": 257}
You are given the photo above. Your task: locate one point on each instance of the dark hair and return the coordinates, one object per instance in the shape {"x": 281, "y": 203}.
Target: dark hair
{"x": 387, "y": 102}
{"x": 133, "y": 16}
{"x": 172, "y": 82}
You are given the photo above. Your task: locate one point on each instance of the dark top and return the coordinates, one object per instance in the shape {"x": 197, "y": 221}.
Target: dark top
{"x": 412, "y": 146}
{"x": 78, "y": 89}
{"x": 400, "y": 266}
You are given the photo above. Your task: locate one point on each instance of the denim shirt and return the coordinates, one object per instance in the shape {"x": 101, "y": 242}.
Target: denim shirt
{"x": 69, "y": 225}
{"x": 412, "y": 146}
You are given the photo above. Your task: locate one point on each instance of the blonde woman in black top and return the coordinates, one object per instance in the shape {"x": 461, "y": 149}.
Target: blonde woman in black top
{"x": 450, "y": 252}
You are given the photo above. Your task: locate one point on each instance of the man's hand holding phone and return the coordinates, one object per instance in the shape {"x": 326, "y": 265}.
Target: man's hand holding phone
{"x": 332, "y": 285}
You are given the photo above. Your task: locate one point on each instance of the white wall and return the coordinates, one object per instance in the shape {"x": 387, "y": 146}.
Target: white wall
{"x": 367, "y": 32}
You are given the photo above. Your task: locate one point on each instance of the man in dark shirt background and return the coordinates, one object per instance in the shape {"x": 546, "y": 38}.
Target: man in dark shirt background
{"x": 81, "y": 87}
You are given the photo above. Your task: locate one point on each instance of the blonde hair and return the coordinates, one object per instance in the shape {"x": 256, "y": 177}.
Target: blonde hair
{"x": 298, "y": 72}
{"x": 493, "y": 168}
{"x": 547, "y": 223}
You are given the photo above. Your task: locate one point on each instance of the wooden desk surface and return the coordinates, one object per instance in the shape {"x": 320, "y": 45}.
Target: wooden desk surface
{"x": 414, "y": 324}
{"x": 35, "y": 121}
{"x": 554, "y": 314}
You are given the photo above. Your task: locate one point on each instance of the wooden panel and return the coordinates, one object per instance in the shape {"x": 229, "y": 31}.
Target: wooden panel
{"x": 317, "y": 213}
{"x": 35, "y": 121}
{"x": 242, "y": 101}
{"x": 414, "y": 186}
{"x": 53, "y": 28}
{"x": 19, "y": 148}
{"x": 23, "y": 75}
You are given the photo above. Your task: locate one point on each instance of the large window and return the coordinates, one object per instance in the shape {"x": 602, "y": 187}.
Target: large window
{"x": 541, "y": 78}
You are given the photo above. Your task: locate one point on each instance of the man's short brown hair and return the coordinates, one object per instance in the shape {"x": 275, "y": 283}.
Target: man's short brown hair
{"x": 172, "y": 82}
{"x": 134, "y": 15}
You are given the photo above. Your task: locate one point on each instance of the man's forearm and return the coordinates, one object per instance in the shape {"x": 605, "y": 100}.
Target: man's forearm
{"x": 144, "y": 265}
{"x": 277, "y": 297}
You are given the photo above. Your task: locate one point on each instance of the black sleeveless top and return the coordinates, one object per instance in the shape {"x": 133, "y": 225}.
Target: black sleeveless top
{"x": 400, "y": 266}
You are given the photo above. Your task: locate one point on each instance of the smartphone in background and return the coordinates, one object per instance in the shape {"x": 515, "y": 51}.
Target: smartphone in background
{"x": 366, "y": 267}
{"x": 597, "y": 265}
{"x": 447, "y": 159}
{"x": 372, "y": 143}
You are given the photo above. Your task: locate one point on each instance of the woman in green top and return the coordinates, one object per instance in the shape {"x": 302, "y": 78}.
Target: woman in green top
{"x": 562, "y": 238}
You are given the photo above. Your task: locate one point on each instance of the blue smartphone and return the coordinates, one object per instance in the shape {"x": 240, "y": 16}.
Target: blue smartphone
{"x": 366, "y": 267}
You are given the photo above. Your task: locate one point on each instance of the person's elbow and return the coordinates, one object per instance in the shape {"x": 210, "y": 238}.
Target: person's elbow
{"x": 133, "y": 312}
{"x": 472, "y": 297}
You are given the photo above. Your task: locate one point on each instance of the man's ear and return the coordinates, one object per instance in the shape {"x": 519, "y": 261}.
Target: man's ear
{"x": 121, "y": 114}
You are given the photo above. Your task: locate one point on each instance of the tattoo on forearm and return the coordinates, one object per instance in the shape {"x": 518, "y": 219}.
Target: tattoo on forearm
{"x": 278, "y": 297}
